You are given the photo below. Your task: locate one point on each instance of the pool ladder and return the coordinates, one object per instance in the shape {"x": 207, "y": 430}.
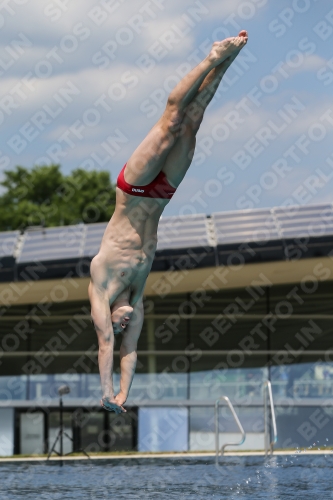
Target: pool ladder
{"x": 269, "y": 444}
{"x": 234, "y": 414}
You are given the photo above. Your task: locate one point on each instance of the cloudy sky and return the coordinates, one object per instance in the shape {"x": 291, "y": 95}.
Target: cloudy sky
{"x": 83, "y": 82}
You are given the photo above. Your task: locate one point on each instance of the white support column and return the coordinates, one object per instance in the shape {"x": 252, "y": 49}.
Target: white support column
{"x": 6, "y": 431}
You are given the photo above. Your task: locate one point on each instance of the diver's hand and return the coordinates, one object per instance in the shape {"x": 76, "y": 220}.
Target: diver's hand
{"x": 120, "y": 399}
{"x": 112, "y": 405}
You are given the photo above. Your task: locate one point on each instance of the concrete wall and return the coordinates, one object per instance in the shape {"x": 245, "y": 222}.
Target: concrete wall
{"x": 205, "y": 441}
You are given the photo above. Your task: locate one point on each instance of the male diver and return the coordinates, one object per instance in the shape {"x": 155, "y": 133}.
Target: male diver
{"x": 144, "y": 187}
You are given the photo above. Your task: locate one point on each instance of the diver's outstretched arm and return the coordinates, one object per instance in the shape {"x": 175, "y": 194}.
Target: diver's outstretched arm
{"x": 128, "y": 354}
{"x": 101, "y": 318}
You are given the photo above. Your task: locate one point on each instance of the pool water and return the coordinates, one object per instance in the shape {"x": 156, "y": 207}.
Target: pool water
{"x": 280, "y": 477}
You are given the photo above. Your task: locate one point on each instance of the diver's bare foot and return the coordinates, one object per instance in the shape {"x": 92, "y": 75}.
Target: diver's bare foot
{"x": 228, "y": 47}
{"x": 222, "y": 67}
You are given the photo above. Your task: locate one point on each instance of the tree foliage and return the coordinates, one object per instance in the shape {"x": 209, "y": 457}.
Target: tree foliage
{"x": 45, "y": 196}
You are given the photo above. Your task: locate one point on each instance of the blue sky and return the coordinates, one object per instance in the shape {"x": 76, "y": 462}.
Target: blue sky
{"x": 83, "y": 82}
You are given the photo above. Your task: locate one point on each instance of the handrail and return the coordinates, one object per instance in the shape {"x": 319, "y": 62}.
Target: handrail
{"x": 268, "y": 386}
{"x": 217, "y": 444}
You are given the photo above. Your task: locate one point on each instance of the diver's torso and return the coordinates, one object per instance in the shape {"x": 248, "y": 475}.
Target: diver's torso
{"x": 128, "y": 246}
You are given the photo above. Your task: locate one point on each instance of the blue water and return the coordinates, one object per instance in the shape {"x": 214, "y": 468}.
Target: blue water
{"x": 282, "y": 477}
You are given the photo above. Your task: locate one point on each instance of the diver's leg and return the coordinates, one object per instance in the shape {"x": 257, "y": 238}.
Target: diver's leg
{"x": 180, "y": 156}
{"x": 149, "y": 158}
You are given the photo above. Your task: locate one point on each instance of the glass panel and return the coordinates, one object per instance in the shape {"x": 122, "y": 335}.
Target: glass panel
{"x": 46, "y": 386}
{"x": 81, "y": 385}
{"x": 304, "y": 427}
{"x": 157, "y": 386}
{"x": 163, "y": 429}
{"x": 14, "y": 387}
{"x": 202, "y": 427}
{"x": 303, "y": 380}
{"x": 238, "y": 384}
{"x": 298, "y": 380}
{"x": 92, "y": 385}
{"x": 32, "y": 433}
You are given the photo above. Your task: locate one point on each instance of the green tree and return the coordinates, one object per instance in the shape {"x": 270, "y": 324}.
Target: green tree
{"x": 45, "y": 196}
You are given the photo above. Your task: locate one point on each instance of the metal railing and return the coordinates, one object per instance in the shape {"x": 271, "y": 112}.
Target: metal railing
{"x": 217, "y": 444}
{"x": 268, "y": 443}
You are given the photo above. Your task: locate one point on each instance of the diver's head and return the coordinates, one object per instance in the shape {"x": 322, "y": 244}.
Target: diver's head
{"x": 121, "y": 313}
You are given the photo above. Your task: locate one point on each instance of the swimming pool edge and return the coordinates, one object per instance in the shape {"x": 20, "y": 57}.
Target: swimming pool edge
{"x": 163, "y": 455}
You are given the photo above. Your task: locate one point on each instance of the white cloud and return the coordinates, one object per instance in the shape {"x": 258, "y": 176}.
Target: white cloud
{"x": 308, "y": 63}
